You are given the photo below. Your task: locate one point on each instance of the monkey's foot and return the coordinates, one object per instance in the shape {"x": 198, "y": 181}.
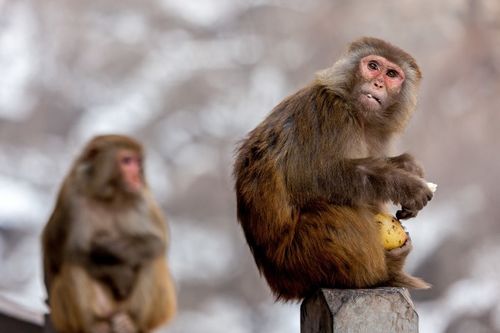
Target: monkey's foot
{"x": 403, "y": 250}
{"x": 122, "y": 323}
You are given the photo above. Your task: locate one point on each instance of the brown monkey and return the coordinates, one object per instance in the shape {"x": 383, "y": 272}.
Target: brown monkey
{"x": 104, "y": 245}
{"x": 311, "y": 176}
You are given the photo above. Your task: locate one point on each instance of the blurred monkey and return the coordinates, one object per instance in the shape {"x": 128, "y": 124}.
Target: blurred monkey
{"x": 104, "y": 245}
{"x": 312, "y": 175}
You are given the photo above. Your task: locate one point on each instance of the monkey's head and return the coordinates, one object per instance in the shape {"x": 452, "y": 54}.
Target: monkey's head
{"x": 111, "y": 166}
{"x": 378, "y": 80}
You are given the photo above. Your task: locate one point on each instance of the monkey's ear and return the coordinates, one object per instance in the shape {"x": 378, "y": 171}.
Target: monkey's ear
{"x": 87, "y": 161}
{"x": 90, "y": 154}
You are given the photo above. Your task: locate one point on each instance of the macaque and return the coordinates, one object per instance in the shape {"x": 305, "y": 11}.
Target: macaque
{"x": 311, "y": 177}
{"x": 104, "y": 245}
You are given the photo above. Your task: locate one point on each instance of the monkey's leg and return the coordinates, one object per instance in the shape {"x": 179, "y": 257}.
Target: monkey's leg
{"x": 330, "y": 247}
{"x": 349, "y": 245}
{"x": 153, "y": 301}
{"x": 79, "y": 304}
{"x": 66, "y": 316}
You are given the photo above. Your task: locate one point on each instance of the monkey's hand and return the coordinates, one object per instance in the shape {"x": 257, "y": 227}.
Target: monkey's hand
{"x": 123, "y": 323}
{"x": 407, "y": 163}
{"x": 132, "y": 250}
{"x": 119, "y": 278}
{"x": 412, "y": 193}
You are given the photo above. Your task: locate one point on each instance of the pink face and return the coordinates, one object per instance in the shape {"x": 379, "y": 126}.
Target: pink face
{"x": 131, "y": 169}
{"x": 382, "y": 80}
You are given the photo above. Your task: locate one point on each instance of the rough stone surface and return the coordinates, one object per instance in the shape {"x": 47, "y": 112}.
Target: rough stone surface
{"x": 381, "y": 310}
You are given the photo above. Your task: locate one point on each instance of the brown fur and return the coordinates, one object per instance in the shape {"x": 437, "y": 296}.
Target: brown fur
{"x": 104, "y": 249}
{"x": 311, "y": 176}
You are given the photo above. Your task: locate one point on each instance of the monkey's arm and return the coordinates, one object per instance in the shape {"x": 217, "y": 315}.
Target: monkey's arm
{"x": 132, "y": 250}
{"x": 54, "y": 238}
{"x": 367, "y": 180}
{"x": 408, "y": 163}
{"x": 117, "y": 261}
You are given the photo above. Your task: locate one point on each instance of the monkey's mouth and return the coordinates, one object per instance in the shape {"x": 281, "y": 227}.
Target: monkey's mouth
{"x": 370, "y": 96}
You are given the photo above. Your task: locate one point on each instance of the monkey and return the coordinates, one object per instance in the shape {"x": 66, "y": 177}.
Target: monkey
{"x": 311, "y": 176}
{"x": 104, "y": 245}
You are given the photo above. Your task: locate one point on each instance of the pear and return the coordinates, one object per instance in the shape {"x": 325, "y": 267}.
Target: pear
{"x": 392, "y": 233}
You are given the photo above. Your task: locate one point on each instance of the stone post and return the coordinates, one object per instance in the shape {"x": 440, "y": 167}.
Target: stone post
{"x": 380, "y": 310}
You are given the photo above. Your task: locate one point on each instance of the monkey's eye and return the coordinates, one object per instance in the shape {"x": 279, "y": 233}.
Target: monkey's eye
{"x": 127, "y": 160}
{"x": 392, "y": 73}
{"x": 373, "y": 65}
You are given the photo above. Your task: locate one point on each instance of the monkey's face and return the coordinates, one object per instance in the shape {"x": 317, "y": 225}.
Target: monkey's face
{"x": 130, "y": 165}
{"x": 380, "y": 83}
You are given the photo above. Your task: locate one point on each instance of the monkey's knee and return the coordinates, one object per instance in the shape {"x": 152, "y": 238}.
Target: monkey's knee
{"x": 78, "y": 303}
{"x": 153, "y": 301}
{"x": 66, "y": 309}
{"x": 352, "y": 252}
{"x": 364, "y": 254}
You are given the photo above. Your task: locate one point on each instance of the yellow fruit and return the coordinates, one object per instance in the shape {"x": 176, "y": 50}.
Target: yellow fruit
{"x": 392, "y": 234}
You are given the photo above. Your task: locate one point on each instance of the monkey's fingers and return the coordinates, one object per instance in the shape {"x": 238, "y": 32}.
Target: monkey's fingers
{"x": 405, "y": 213}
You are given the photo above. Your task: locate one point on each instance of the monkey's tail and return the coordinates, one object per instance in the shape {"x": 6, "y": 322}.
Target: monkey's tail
{"x": 402, "y": 279}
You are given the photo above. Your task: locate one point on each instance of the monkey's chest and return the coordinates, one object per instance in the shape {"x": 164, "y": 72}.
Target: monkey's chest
{"x": 357, "y": 148}
{"x": 115, "y": 223}
{"x": 362, "y": 147}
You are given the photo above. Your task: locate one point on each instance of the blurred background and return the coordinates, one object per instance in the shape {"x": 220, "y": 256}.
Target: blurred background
{"x": 189, "y": 79}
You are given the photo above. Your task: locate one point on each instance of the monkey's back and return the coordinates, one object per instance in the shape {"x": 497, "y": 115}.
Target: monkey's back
{"x": 300, "y": 239}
